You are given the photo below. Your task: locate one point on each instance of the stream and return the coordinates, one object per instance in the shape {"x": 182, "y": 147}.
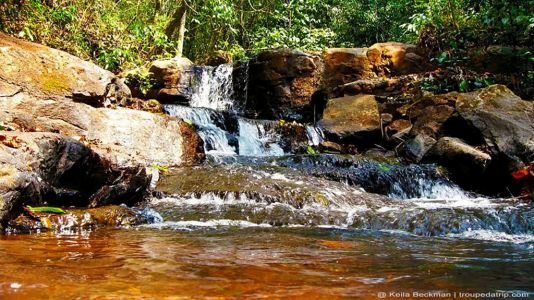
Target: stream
{"x": 259, "y": 221}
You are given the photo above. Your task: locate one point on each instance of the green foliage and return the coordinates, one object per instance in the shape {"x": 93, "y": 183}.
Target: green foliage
{"x": 125, "y": 34}
{"x": 140, "y": 78}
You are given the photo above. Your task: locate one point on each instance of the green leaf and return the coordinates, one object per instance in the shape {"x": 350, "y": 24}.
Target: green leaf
{"x": 463, "y": 85}
{"x": 46, "y": 209}
{"x": 310, "y": 150}
{"x": 163, "y": 169}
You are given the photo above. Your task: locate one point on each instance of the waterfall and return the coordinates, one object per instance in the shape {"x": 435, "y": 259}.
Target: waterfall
{"x": 212, "y": 87}
{"x": 209, "y": 124}
{"x": 315, "y": 135}
{"x": 257, "y": 138}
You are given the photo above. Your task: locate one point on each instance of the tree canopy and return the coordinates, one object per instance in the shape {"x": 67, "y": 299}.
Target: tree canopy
{"x": 119, "y": 34}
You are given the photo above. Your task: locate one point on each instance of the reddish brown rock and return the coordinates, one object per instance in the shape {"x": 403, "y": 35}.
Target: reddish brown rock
{"x": 49, "y": 73}
{"x": 345, "y": 65}
{"x": 282, "y": 84}
{"x": 398, "y": 58}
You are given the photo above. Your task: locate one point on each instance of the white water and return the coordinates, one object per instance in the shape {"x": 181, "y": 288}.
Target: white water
{"x": 213, "y": 88}
{"x": 315, "y": 135}
{"x": 495, "y": 236}
{"x": 215, "y": 138}
{"x": 257, "y": 139}
{"x": 429, "y": 189}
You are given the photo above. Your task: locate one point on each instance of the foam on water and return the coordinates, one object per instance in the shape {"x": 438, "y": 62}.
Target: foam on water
{"x": 429, "y": 189}
{"x": 495, "y": 236}
{"x": 193, "y": 225}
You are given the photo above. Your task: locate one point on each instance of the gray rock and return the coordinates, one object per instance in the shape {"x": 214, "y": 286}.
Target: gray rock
{"x": 47, "y": 168}
{"x": 460, "y": 158}
{"x": 505, "y": 122}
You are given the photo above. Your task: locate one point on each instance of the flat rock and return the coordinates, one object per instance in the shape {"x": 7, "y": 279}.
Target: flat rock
{"x": 351, "y": 117}
{"x": 47, "y": 72}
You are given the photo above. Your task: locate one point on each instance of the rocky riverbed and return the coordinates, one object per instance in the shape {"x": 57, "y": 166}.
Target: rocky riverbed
{"x": 353, "y": 120}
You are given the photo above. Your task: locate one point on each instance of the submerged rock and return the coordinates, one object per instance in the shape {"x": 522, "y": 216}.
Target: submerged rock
{"x": 353, "y": 118}
{"x": 74, "y": 219}
{"x": 263, "y": 183}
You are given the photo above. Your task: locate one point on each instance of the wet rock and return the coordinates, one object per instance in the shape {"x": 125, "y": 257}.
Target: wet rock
{"x": 352, "y": 118}
{"x": 282, "y": 84}
{"x": 74, "y": 219}
{"x": 44, "y": 72}
{"x": 171, "y": 79}
{"x": 47, "y": 168}
{"x": 397, "y": 58}
{"x": 465, "y": 162}
{"x": 376, "y": 172}
{"x": 264, "y": 184}
{"x": 416, "y": 148}
{"x": 329, "y": 147}
{"x": 503, "y": 120}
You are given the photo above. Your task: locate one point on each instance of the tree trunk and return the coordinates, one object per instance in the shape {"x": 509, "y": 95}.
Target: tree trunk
{"x": 181, "y": 32}
{"x": 177, "y": 25}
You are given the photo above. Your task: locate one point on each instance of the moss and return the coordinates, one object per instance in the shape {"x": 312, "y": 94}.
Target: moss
{"x": 53, "y": 83}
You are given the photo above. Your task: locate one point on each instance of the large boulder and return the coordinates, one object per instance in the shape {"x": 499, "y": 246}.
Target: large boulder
{"x": 345, "y": 65}
{"x": 171, "y": 78}
{"x": 465, "y": 162}
{"x": 123, "y": 136}
{"x": 282, "y": 84}
{"x": 53, "y": 74}
{"x": 505, "y": 122}
{"x": 397, "y": 58}
{"x": 352, "y": 118}
{"x": 38, "y": 85}
{"x": 47, "y": 168}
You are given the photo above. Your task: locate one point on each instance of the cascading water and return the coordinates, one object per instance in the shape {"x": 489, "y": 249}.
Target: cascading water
{"x": 417, "y": 198}
{"x": 212, "y": 87}
{"x": 210, "y": 126}
{"x": 213, "y": 106}
{"x": 315, "y": 135}
{"x": 256, "y": 138}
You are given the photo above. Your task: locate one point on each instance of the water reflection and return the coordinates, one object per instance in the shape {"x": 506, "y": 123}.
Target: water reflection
{"x": 254, "y": 263}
